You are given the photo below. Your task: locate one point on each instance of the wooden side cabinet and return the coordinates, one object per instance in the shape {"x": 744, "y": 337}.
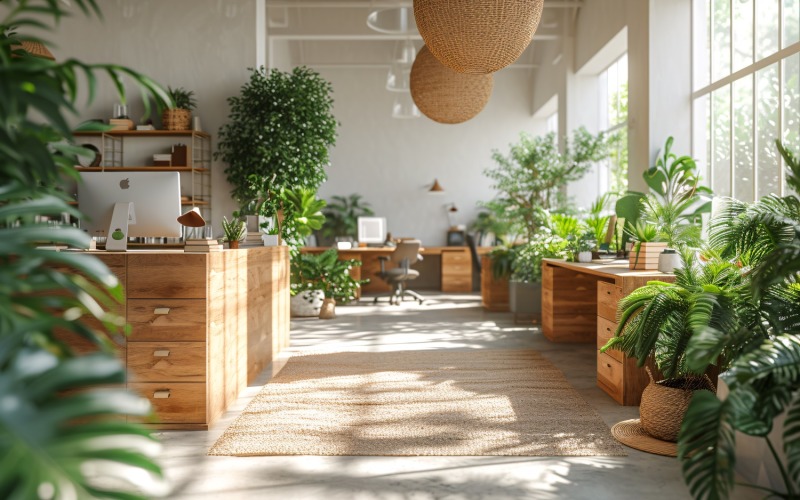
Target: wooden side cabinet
{"x": 202, "y": 327}
{"x": 456, "y": 270}
{"x": 579, "y": 304}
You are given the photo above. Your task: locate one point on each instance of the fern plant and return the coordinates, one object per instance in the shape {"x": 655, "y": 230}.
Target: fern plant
{"x": 764, "y": 378}
{"x": 182, "y": 98}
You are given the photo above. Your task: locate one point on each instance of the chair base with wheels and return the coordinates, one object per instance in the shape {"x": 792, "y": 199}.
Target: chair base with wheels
{"x": 406, "y": 253}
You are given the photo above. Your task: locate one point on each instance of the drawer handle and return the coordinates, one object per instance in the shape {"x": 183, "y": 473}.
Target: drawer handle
{"x": 161, "y": 353}
{"x": 161, "y": 394}
{"x": 161, "y": 310}
{"x": 608, "y": 292}
{"x": 608, "y": 365}
{"x": 607, "y": 329}
{"x": 581, "y": 288}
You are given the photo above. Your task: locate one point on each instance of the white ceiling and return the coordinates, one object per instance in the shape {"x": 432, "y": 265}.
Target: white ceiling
{"x": 334, "y": 33}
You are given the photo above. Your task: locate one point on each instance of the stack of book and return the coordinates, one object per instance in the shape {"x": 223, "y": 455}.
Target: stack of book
{"x": 121, "y": 124}
{"x": 253, "y": 239}
{"x": 202, "y": 246}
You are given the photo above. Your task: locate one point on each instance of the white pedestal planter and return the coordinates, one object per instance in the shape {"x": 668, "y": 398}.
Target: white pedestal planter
{"x": 669, "y": 260}
{"x": 584, "y": 256}
{"x": 306, "y": 304}
{"x": 270, "y": 240}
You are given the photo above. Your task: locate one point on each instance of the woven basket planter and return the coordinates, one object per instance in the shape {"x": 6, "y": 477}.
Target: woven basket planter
{"x": 477, "y": 36}
{"x": 445, "y": 96}
{"x": 664, "y": 404}
{"x": 176, "y": 119}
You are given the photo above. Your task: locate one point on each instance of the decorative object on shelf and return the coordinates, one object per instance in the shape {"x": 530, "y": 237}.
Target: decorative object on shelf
{"x": 477, "y": 36}
{"x": 646, "y": 250}
{"x": 35, "y": 48}
{"x": 436, "y": 187}
{"x": 179, "y": 116}
{"x": 180, "y": 156}
{"x": 89, "y": 160}
{"x": 234, "y": 231}
{"x": 445, "y": 96}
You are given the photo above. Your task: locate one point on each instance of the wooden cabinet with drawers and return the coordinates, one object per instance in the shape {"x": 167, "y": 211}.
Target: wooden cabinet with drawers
{"x": 456, "y": 270}
{"x": 201, "y": 326}
{"x": 579, "y": 303}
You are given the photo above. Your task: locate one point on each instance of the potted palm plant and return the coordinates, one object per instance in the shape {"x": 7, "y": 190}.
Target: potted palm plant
{"x": 763, "y": 380}
{"x": 64, "y": 414}
{"x": 178, "y": 115}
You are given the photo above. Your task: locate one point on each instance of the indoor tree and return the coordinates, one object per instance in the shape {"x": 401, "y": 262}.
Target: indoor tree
{"x": 62, "y": 422}
{"x": 531, "y": 177}
{"x": 277, "y": 138}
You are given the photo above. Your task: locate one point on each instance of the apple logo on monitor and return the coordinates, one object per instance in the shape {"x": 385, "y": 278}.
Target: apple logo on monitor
{"x": 124, "y": 183}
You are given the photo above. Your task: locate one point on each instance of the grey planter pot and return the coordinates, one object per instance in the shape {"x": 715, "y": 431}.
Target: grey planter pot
{"x": 525, "y": 300}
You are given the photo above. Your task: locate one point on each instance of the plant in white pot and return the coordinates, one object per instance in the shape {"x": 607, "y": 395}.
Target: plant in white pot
{"x": 325, "y": 272}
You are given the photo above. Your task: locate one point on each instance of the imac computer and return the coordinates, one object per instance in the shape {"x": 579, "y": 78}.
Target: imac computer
{"x": 122, "y": 205}
{"x": 372, "y": 230}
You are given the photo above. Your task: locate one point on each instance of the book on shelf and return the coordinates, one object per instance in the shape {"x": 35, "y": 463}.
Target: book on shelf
{"x": 121, "y": 124}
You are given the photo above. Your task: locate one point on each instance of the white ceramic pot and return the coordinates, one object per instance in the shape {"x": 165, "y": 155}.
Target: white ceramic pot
{"x": 270, "y": 240}
{"x": 307, "y": 303}
{"x": 669, "y": 260}
{"x": 585, "y": 256}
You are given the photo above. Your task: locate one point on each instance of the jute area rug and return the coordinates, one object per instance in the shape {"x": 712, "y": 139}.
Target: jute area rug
{"x": 409, "y": 403}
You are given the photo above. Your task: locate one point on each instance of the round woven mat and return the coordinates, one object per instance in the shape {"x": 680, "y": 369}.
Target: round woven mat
{"x": 630, "y": 433}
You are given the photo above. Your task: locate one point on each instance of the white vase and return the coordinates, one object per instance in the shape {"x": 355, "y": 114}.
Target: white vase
{"x": 669, "y": 260}
{"x": 585, "y": 256}
{"x": 270, "y": 240}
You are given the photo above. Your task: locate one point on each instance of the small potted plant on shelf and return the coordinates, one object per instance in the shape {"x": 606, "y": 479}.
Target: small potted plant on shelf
{"x": 234, "y": 231}
{"x": 179, "y": 115}
{"x": 646, "y": 247}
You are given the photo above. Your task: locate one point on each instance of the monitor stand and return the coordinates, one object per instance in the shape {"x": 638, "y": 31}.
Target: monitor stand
{"x": 117, "y": 239}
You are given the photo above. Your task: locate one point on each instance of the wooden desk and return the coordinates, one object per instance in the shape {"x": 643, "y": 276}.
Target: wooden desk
{"x": 202, "y": 326}
{"x": 579, "y": 304}
{"x": 456, "y": 266}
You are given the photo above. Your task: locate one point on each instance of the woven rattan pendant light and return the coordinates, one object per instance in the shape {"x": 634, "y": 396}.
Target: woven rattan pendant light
{"x": 477, "y": 36}
{"x": 445, "y": 96}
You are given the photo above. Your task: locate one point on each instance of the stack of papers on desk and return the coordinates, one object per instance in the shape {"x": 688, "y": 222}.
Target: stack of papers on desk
{"x": 253, "y": 239}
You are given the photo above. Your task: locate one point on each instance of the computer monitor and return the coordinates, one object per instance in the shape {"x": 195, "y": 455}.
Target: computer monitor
{"x": 372, "y": 230}
{"x": 154, "y": 198}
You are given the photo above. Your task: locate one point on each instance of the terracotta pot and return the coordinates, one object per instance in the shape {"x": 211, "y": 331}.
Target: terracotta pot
{"x": 328, "y": 310}
{"x": 233, "y": 245}
{"x": 664, "y": 404}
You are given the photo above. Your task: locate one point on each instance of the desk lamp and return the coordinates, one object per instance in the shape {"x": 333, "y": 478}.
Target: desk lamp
{"x": 192, "y": 219}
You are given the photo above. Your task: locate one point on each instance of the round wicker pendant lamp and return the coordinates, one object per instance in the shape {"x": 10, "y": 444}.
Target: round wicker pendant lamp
{"x": 477, "y": 36}
{"x": 445, "y": 96}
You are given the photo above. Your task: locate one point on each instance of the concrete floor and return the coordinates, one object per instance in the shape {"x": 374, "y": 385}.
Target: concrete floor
{"x": 443, "y": 322}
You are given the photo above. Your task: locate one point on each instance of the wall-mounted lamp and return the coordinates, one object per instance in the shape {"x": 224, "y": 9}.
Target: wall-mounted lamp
{"x": 436, "y": 188}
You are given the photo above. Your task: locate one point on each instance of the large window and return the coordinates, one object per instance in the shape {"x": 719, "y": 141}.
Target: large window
{"x": 614, "y": 121}
{"x": 746, "y": 71}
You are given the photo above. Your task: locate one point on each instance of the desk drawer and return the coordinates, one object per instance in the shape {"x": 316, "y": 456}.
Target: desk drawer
{"x": 167, "y": 361}
{"x": 605, "y": 331}
{"x": 610, "y": 375}
{"x": 175, "y": 320}
{"x": 456, "y": 258}
{"x": 456, "y": 284}
{"x": 168, "y": 276}
{"x": 608, "y": 295}
{"x": 175, "y": 402}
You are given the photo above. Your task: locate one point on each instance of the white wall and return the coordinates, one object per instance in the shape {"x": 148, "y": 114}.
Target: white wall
{"x": 181, "y": 43}
{"x": 393, "y": 162}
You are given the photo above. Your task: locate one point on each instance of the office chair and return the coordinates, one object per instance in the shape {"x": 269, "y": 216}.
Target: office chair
{"x": 406, "y": 253}
{"x": 473, "y": 250}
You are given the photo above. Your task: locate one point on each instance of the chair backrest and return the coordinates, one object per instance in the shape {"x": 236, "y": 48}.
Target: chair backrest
{"x": 473, "y": 250}
{"x": 406, "y": 249}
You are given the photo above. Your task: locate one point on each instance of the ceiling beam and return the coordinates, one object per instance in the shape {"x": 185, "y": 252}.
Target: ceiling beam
{"x": 351, "y": 4}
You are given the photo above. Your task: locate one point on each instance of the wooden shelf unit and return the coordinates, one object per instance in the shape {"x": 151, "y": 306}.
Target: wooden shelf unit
{"x": 579, "y": 304}
{"x": 112, "y": 146}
